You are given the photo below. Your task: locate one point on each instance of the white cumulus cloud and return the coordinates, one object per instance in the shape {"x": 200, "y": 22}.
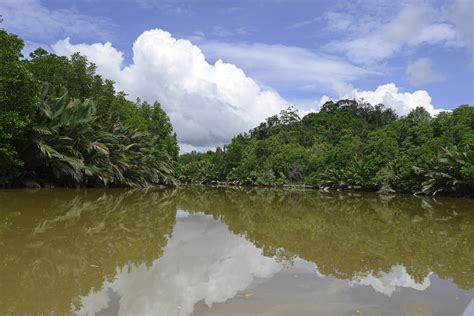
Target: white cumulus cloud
{"x": 208, "y": 104}
{"x": 390, "y": 96}
{"x": 104, "y": 55}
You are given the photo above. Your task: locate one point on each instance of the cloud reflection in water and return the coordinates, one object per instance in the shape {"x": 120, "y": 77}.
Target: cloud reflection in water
{"x": 205, "y": 261}
{"x": 202, "y": 261}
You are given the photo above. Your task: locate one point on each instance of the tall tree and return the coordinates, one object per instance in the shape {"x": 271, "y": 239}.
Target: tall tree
{"x": 18, "y": 90}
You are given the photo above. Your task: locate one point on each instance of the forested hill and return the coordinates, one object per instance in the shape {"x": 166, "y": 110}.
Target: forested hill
{"x": 62, "y": 124}
{"x": 348, "y": 145}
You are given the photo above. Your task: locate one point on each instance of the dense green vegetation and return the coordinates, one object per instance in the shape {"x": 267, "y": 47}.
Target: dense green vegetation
{"x": 62, "y": 124}
{"x": 347, "y": 145}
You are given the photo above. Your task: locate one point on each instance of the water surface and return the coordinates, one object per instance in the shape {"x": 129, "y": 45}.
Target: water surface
{"x": 205, "y": 251}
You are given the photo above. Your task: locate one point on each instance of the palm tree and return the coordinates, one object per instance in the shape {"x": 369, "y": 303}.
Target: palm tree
{"x": 69, "y": 145}
{"x": 452, "y": 171}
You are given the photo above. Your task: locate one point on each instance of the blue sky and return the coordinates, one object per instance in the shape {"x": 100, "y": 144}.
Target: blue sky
{"x": 402, "y": 53}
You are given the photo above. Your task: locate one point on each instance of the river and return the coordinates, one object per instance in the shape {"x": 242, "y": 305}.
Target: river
{"x": 215, "y": 251}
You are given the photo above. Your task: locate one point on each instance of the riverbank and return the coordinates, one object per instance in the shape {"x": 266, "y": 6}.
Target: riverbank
{"x": 303, "y": 187}
{"x": 218, "y": 184}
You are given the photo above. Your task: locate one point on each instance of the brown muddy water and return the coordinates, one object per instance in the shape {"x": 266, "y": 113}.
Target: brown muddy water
{"x": 209, "y": 251}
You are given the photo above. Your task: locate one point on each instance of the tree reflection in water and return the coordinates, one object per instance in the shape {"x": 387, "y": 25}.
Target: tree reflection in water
{"x": 66, "y": 250}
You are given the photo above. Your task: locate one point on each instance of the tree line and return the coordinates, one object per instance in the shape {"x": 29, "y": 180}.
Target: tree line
{"x": 63, "y": 124}
{"x": 347, "y": 145}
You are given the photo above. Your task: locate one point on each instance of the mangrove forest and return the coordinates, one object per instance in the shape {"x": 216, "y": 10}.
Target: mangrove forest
{"x": 62, "y": 124}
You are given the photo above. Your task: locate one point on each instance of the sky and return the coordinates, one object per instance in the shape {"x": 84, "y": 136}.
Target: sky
{"x": 220, "y": 67}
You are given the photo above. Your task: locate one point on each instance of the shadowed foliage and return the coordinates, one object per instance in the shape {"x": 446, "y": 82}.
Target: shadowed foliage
{"x": 76, "y": 130}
